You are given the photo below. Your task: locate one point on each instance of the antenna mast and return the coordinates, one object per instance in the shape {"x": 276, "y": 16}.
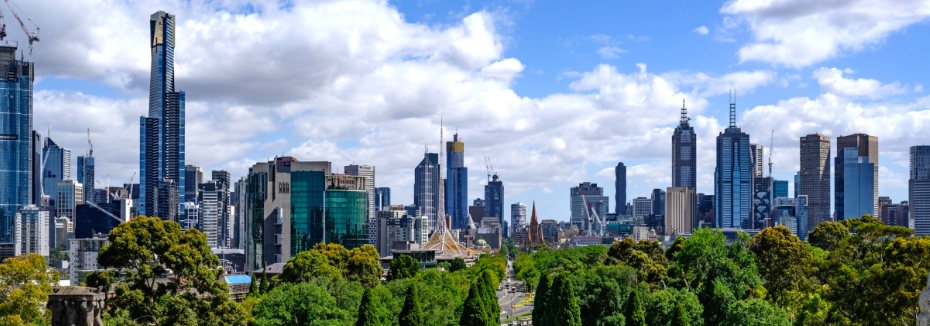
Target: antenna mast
{"x": 732, "y": 111}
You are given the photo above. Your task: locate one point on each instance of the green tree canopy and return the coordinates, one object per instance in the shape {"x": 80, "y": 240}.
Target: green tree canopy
{"x": 541, "y": 309}
{"x": 366, "y": 311}
{"x": 25, "y": 283}
{"x": 755, "y": 312}
{"x": 308, "y": 265}
{"x": 458, "y": 264}
{"x": 301, "y": 304}
{"x": 827, "y": 235}
{"x": 563, "y": 303}
{"x": 635, "y": 314}
{"x": 411, "y": 315}
{"x": 403, "y": 266}
{"x": 475, "y": 311}
{"x": 782, "y": 261}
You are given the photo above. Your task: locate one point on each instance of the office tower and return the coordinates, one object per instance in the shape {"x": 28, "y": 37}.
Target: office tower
{"x": 223, "y": 183}
{"x": 797, "y": 184}
{"x": 456, "y": 183}
{"x": 31, "y": 236}
{"x": 684, "y": 153}
{"x": 642, "y": 206}
{"x": 918, "y": 189}
{"x": 792, "y": 213}
{"x": 814, "y": 179}
{"x": 193, "y": 177}
{"x": 70, "y": 194}
{"x": 85, "y": 175}
{"x": 57, "y": 168}
{"x": 658, "y": 201}
{"x": 382, "y": 198}
{"x": 705, "y": 214}
{"x": 733, "y": 177}
{"x": 588, "y": 205}
{"x": 620, "y": 188}
{"x": 780, "y": 188}
{"x": 758, "y": 160}
{"x": 210, "y": 210}
{"x": 426, "y": 187}
{"x": 35, "y": 173}
{"x": 99, "y": 219}
{"x": 517, "y": 217}
{"x": 293, "y": 205}
{"x": 761, "y": 202}
{"x": 242, "y": 191}
{"x": 368, "y": 172}
{"x": 866, "y": 148}
{"x": 15, "y": 139}
{"x": 494, "y": 201}
{"x": 161, "y": 133}
{"x": 396, "y": 225}
{"x": 856, "y": 197}
{"x": 476, "y": 210}
{"x": 680, "y": 204}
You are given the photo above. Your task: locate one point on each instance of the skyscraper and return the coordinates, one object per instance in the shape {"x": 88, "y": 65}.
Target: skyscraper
{"x": 32, "y": 231}
{"x": 193, "y": 177}
{"x": 586, "y": 201}
{"x": 866, "y": 147}
{"x": 57, "y": 168}
{"x": 494, "y": 201}
{"x": 35, "y": 173}
{"x": 382, "y": 198}
{"x": 733, "y": 177}
{"x": 161, "y": 145}
{"x": 208, "y": 201}
{"x": 658, "y": 201}
{"x": 620, "y": 188}
{"x": 85, "y": 175}
{"x": 426, "y": 187}
{"x": 15, "y": 139}
{"x": 684, "y": 153}
{"x": 223, "y": 182}
{"x": 758, "y": 160}
{"x": 857, "y": 197}
{"x": 918, "y": 189}
{"x": 456, "y": 183}
{"x": 517, "y": 216}
{"x": 680, "y": 208}
{"x": 368, "y": 172}
{"x": 814, "y": 178}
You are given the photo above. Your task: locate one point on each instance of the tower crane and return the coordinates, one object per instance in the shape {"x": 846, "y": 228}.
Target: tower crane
{"x": 32, "y": 36}
{"x": 90, "y": 146}
{"x": 487, "y": 164}
{"x": 2, "y": 26}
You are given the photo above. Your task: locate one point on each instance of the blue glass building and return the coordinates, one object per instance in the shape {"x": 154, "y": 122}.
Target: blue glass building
{"x": 16, "y": 148}
{"x": 456, "y": 183}
{"x": 57, "y": 168}
{"x": 780, "y": 188}
{"x": 85, "y": 175}
{"x": 684, "y": 153}
{"x": 494, "y": 201}
{"x": 620, "y": 188}
{"x": 161, "y": 144}
{"x": 733, "y": 177}
{"x": 426, "y": 187}
{"x": 858, "y": 179}
{"x": 382, "y": 198}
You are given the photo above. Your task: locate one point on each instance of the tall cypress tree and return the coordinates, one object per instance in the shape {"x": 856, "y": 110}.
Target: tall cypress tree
{"x": 681, "y": 317}
{"x": 263, "y": 287}
{"x": 635, "y": 316}
{"x": 562, "y": 303}
{"x": 366, "y": 311}
{"x": 492, "y": 306}
{"x": 540, "y": 309}
{"x": 411, "y": 314}
{"x": 474, "y": 312}
{"x": 253, "y": 286}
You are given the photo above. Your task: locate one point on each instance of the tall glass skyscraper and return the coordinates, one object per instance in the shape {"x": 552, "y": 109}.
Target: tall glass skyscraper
{"x": 733, "y": 177}
{"x": 918, "y": 189}
{"x": 85, "y": 175}
{"x": 494, "y": 201}
{"x": 161, "y": 145}
{"x": 857, "y": 197}
{"x": 866, "y": 146}
{"x": 620, "y": 188}
{"x": 57, "y": 168}
{"x": 684, "y": 153}
{"x": 813, "y": 180}
{"x": 382, "y": 198}
{"x": 456, "y": 183}
{"x": 16, "y": 148}
{"x": 426, "y": 187}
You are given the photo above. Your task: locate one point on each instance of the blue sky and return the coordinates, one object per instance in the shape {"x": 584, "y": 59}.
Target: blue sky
{"x": 555, "y": 94}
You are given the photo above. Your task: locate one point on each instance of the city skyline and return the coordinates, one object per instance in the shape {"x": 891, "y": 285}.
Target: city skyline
{"x": 511, "y": 114}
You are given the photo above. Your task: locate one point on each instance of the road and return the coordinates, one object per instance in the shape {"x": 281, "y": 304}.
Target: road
{"x": 507, "y": 299}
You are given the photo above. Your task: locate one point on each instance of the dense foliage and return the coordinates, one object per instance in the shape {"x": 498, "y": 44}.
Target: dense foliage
{"x": 854, "y": 272}
{"x": 25, "y": 283}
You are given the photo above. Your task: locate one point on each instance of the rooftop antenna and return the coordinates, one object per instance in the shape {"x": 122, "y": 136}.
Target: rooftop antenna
{"x": 684, "y": 112}
{"x": 732, "y": 111}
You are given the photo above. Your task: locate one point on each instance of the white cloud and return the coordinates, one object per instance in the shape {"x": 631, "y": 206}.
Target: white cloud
{"x": 832, "y": 80}
{"x": 800, "y": 33}
{"x": 701, "y": 30}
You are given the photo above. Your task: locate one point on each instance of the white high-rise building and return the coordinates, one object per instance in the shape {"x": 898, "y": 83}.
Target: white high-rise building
{"x": 210, "y": 211}
{"x": 83, "y": 254}
{"x": 31, "y": 227}
{"x": 517, "y": 216}
{"x": 70, "y": 194}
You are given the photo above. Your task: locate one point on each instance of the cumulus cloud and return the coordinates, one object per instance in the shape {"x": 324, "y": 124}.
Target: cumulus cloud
{"x": 799, "y": 33}
{"x": 833, "y": 81}
{"x": 701, "y": 30}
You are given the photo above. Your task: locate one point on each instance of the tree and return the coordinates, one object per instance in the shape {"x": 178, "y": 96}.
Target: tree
{"x": 25, "y": 283}
{"x": 308, "y": 265}
{"x": 474, "y": 312}
{"x": 363, "y": 266}
{"x": 487, "y": 290}
{"x": 635, "y": 315}
{"x": 411, "y": 314}
{"x": 458, "y": 264}
{"x": 755, "y": 312}
{"x": 782, "y": 261}
{"x": 541, "y": 301}
{"x": 366, "y": 313}
{"x": 301, "y": 304}
{"x": 681, "y": 317}
{"x": 253, "y": 286}
{"x": 827, "y": 235}
{"x": 665, "y": 306}
{"x": 403, "y": 266}
{"x": 563, "y": 303}
{"x": 264, "y": 287}
{"x": 146, "y": 248}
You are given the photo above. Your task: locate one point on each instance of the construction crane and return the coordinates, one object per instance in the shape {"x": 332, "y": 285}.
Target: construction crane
{"x": 2, "y": 26}
{"x": 90, "y": 146}
{"x": 487, "y": 164}
{"x": 32, "y": 36}
{"x": 600, "y": 220}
